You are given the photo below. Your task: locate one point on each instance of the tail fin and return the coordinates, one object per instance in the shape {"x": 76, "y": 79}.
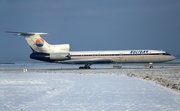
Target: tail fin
{"x": 38, "y": 44}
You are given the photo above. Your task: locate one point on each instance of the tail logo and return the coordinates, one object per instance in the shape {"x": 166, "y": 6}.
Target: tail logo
{"x": 39, "y": 42}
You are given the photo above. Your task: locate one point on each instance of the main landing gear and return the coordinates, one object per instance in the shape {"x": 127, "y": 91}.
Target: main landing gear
{"x": 87, "y": 66}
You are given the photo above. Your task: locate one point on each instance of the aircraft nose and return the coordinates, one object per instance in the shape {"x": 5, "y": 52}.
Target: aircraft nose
{"x": 173, "y": 57}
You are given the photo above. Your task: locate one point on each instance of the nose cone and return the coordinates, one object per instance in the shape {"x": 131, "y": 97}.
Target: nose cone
{"x": 173, "y": 57}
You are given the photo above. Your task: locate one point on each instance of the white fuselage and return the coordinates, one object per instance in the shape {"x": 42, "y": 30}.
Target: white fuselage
{"x": 123, "y": 56}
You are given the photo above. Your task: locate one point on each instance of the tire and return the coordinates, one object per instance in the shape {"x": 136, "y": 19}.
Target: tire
{"x": 151, "y": 67}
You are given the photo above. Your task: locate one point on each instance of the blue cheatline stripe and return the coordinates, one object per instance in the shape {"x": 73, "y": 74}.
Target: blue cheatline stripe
{"x": 120, "y": 54}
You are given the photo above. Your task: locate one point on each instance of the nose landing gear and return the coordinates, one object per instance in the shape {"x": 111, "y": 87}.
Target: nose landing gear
{"x": 151, "y": 65}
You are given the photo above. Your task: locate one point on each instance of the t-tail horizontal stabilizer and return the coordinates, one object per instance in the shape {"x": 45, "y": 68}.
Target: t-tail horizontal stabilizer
{"x": 26, "y": 33}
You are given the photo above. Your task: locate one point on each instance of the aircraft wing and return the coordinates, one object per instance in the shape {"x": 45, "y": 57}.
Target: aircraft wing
{"x": 87, "y": 61}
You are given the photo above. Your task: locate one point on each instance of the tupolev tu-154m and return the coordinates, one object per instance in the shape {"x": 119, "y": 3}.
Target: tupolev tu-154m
{"x": 61, "y": 53}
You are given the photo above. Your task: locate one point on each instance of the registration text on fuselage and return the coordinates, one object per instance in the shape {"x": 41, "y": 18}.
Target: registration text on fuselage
{"x": 139, "y": 52}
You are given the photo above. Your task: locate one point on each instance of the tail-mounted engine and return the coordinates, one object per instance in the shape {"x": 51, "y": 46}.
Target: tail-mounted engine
{"x": 51, "y": 57}
{"x": 60, "y": 56}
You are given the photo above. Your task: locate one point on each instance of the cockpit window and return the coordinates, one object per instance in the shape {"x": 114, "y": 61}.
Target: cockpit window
{"x": 166, "y": 53}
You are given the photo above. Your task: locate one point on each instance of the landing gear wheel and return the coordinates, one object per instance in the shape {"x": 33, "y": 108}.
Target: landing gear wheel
{"x": 81, "y": 67}
{"x": 87, "y": 66}
{"x": 84, "y": 67}
{"x": 151, "y": 67}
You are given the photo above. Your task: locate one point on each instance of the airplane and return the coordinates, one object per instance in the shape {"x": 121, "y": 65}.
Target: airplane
{"x": 61, "y": 53}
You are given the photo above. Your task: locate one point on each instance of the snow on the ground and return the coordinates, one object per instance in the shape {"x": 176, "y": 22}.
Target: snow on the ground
{"x": 62, "y": 91}
{"x": 54, "y": 87}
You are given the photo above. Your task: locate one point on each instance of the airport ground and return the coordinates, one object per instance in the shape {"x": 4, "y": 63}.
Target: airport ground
{"x": 164, "y": 74}
{"x": 28, "y": 86}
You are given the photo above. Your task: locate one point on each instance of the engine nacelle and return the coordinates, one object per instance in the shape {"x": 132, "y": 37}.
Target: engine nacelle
{"x": 51, "y": 57}
{"x": 60, "y": 56}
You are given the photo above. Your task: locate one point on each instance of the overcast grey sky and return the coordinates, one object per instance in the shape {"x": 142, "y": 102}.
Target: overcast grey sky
{"x": 91, "y": 25}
